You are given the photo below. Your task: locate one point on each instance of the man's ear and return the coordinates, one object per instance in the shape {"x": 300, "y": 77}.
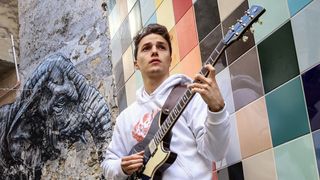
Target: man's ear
{"x": 135, "y": 63}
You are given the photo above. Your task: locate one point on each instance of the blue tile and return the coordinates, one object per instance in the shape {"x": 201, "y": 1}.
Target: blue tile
{"x": 297, "y": 5}
{"x": 153, "y": 19}
{"x": 147, "y": 9}
{"x": 316, "y": 142}
{"x": 311, "y": 84}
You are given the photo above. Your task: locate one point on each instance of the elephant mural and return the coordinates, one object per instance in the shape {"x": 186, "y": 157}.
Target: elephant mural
{"x": 56, "y": 106}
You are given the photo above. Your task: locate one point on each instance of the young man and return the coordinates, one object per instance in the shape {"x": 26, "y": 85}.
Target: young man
{"x": 201, "y": 134}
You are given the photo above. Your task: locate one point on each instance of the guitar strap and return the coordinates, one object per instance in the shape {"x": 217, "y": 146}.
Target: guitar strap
{"x": 173, "y": 98}
{"x": 169, "y": 104}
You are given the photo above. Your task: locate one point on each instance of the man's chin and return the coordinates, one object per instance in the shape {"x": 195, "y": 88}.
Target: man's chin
{"x": 156, "y": 73}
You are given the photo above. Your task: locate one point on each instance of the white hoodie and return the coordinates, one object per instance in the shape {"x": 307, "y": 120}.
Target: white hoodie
{"x": 198, "y": 137}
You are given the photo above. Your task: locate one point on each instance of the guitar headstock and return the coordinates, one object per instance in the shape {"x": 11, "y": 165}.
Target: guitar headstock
{"x": 237, "y": 30}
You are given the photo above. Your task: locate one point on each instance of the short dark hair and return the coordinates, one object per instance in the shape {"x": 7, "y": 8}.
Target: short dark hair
{"x": 151, "y": 29}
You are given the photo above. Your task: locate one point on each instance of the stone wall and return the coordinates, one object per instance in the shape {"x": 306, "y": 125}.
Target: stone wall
{"x": 78, "y": 30}
{"x": 8, "y": 25}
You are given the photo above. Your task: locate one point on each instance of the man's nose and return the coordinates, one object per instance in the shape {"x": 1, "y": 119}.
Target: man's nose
{"x": 154, "y": 50}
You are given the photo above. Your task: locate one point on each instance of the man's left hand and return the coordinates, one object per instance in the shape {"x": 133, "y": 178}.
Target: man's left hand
{"x": 208, "y": 88}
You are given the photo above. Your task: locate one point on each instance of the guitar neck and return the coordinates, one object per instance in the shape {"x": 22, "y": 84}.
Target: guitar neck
{"x": 175, "y": 113}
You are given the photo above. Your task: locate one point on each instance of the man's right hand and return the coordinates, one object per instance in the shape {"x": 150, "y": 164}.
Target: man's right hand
{"x": 132, "y": 163}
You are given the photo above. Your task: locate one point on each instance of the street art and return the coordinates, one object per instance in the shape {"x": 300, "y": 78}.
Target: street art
{"x": 57, "y": 105}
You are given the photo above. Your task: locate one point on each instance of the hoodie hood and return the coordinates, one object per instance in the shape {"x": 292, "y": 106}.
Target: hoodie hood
{"x": 163, "y": 90}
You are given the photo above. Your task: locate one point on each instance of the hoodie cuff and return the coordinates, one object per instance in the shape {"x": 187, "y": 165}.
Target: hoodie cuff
{"x": 120, "y": 171}
{"x": 215, "y": 118}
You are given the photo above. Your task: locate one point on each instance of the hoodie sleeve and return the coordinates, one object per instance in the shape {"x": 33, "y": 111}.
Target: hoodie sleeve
{"x": 111, "y": 165}
{"x": 211, "y": 129}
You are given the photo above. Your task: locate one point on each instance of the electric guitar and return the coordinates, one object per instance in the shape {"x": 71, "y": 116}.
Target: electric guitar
{"x": 157, "y": 155}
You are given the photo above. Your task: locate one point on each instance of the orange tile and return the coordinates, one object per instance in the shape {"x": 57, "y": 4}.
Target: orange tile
{"x": 253, "y": 128}
{"x": 186, "y": 32}
{"x": 191, "y": 64}
{"x": 180, "y": 7}
{"x": 175, "y": 49}
{"x": 176, "y": 69}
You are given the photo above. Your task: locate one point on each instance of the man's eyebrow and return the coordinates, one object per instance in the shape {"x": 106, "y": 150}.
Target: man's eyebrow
{"x": 146, "y": 44}
{"x": 161, "y": 42}
{"x": 149, "y": 43}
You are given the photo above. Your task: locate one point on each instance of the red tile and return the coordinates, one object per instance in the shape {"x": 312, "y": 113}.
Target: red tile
{"x": 180, "y": 7}
{"x": 186, "y": 32}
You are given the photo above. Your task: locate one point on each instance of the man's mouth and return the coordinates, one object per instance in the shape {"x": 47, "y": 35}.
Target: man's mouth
{"x": 154, "y": 61}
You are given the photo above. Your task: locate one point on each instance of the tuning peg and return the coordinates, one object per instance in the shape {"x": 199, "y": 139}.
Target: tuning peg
{"x": 239, "y": 20}
{"x": 245, "y": 38}
{"x": 252, "y": 29}
{"x": 231, "y": 28}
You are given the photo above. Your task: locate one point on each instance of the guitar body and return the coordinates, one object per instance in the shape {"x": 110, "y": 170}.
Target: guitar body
{"x": 154, "y": 164}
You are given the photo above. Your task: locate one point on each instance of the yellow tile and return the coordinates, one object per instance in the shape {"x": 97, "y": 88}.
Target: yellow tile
{"x": 157, "y": 3}
{"x": 226, "y": 7}
{"x": 165, "y": 14}
{"x": 131, "y": 90}
{"x": 127, "y": 61}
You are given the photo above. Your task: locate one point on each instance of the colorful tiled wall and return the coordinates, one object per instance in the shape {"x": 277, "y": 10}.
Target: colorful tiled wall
{"x": 271, "y": 82}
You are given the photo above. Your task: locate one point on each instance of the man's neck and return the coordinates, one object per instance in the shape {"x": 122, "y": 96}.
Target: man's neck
{"x": 151, "y": 84}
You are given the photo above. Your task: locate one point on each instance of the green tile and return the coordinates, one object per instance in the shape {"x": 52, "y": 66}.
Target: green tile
{"x": 277, "y": 12}
{"x": 306, "y": 30}
{"x": 296, "y": 160}
{"x": 139, "y": 81}
{"x": 278, "y": 58}
{"x": 287, "y": 112}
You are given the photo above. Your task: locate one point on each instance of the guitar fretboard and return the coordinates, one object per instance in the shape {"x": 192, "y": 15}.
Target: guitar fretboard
{"x": 187, "y": 96}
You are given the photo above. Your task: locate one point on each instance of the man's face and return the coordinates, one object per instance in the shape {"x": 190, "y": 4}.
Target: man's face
{"x": 153, "y": 57}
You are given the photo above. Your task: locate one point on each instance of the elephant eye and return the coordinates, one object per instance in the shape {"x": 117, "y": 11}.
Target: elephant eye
{"x": 61, "y": 101}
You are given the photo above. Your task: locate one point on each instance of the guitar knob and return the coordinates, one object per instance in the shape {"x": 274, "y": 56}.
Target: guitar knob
{"x": 245, "y": 38}
{"x": 252, "y": 29}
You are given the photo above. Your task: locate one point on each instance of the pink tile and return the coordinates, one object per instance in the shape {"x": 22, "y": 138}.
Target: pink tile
{"x": 186, "y": 32}
{"x": 253, "y": 128}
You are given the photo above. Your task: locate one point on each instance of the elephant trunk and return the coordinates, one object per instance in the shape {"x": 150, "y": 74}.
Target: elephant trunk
{"x": 96, "y": 112}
